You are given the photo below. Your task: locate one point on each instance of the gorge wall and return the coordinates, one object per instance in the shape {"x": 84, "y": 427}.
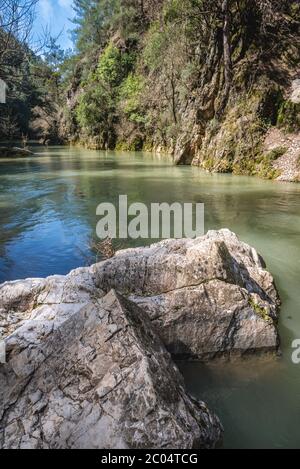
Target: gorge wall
{"x": 215, "y": 84}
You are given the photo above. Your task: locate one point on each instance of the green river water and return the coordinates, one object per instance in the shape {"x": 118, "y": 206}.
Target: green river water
{"x": 48, "y": 214}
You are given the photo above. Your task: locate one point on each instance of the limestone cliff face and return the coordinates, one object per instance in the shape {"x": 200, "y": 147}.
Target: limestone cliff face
{"x": 236, "y": 106}
{"x": 86, "y": 363}
{"x": 258, "y": 135}
{"x": 205, "y": 83}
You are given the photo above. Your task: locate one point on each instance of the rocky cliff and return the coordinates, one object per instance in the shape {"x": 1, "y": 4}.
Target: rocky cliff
{"x": 85, "y": 362}
{"x": 205, "y": 81}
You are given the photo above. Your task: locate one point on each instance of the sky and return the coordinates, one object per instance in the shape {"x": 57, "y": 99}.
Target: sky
{"x": 55, "y": 15}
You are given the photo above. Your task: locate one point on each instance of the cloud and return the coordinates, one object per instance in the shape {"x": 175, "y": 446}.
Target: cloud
{"x": 53, "y": 17}
{"x": 66, "y": 4}
{"x": 46, "y": 9}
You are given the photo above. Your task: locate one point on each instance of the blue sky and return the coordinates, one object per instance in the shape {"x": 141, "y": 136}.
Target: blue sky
{"x": 55, "y": 15}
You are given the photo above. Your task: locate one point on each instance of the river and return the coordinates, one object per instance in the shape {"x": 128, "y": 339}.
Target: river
{"x": 48, "y": 215}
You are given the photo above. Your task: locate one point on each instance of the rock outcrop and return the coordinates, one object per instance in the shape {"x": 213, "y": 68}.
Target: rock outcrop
{"x": 85, "y": 364}
{"x": 258, "y": 134}
{"x": 285, "y": 141}
{"x": 287, "y": 145}
{"x": 96, "y": 376}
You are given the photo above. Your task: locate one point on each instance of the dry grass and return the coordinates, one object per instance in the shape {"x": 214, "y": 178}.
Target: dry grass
{"x": 104, "y": 249}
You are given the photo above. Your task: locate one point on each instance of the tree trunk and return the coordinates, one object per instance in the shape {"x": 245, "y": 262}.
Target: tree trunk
{"x": 142, "y": 8}
{"x": 227, "y": 47}
{"x": 173, "y": 86}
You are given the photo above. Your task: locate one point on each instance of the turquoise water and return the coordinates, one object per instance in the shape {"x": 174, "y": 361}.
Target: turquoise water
{"x": 48, "y": 215}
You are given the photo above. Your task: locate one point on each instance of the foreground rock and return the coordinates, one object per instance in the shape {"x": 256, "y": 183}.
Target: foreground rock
{"x": 96, "y": 376}
{"x": 14, "y": 152}
{"x": 85, "y": 367}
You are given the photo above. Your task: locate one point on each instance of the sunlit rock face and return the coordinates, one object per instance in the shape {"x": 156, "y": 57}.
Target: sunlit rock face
{"x": 96, "y": 376}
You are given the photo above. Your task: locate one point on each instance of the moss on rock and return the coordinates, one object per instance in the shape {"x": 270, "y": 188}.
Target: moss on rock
{"x": 289, "y": 116}
{"x": 260, "y": 310}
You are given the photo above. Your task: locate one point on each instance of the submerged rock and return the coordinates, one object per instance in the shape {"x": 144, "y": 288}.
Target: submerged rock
{"x": 14, "y": 152}
{"x": 96, "y": 376}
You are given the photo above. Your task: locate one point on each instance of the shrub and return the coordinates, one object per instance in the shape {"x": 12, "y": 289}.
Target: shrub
{"x": 130, "y": 98}
{"x": 289, "y": 116}
{"x": 114, "y": 65}
{"x": 93, "y": 110}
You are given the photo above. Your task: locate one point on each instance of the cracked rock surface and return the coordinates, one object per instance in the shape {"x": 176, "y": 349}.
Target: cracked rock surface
{"x": 86, "y": 365}
{"x": 96, "y": 376}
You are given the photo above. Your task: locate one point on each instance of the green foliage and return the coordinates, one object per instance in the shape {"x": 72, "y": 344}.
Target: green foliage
{"x": 156, "y": 44}
{"x": 261, "y": 165}
{"x": 33, "y": 92}
{"x": 265, "y": 169}
{"x": 277, "y": 153}
{"x": 260, "y": 310}
{"x": 54, "y": 55}
{"x": 135, "y": 145}
{"x": 289, "y": 116}
{"x": 94, "y": 109}
{"x": 130, "y": 98}
{"x": 173, "y": 9}
{"x": 114, "y": 65}
{"x": 93, "y": 19}
{"x": 264, "y": 163}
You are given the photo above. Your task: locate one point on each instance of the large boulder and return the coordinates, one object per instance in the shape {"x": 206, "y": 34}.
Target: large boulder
{"x": 92, "y": 374}
{"x": 207, "y": 297}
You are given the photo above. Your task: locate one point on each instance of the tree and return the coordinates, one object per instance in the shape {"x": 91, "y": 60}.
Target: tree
{"x": 227, "y": 46}
{"x": 92, "y": 20}
{"x": 16, "y": 19}
{"x": 33, "y": 82}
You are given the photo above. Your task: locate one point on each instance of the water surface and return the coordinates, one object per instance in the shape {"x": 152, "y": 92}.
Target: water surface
{"x": 48, "y": 215}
